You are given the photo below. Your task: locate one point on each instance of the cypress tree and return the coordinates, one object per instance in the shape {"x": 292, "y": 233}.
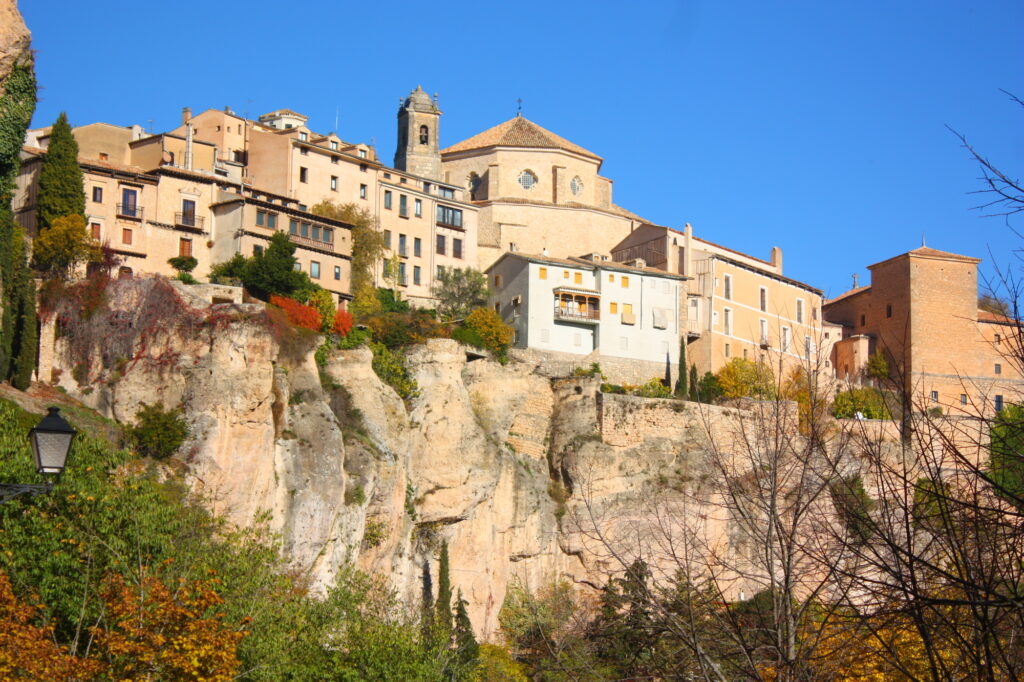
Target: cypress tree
{"x": 681, "y": 389}
{"x": 467, "y": 650}
{"x": 427, "y": 623}
{"x": 443, "y": 605}
{"x": 694, "y": 392}
{"x": 60, "y": 177}
{"x": 23, "y": 305}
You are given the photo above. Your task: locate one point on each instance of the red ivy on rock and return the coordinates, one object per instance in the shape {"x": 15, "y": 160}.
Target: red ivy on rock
{"x": 342, "y": 322}
{"x": 298, "y": 314}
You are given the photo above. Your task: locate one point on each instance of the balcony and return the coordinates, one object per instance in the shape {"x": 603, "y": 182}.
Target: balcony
{"x": 577, "y": 315}
{"x": 311, "y": 243}
{"x": 189, "y": 221}
{"x": 131, "y": 211}
{"x": 693, "y": 329}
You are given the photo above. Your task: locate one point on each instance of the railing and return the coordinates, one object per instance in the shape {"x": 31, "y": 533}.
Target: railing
{"x": 189, "y": 220}
{"x": 576, "y": 314}
{"x": 693, "y": 327}
{"x": 129, "y": 211}
{"x": 312, "y": 243}
{"x": 450, "y": 226}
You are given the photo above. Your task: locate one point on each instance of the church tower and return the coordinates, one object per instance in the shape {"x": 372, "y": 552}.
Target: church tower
{"x": 418, "y": 151}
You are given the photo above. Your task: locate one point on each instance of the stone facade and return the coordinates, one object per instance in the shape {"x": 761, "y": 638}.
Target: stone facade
{"x": 921, "y": 312}
{"x": 418, "y": 151}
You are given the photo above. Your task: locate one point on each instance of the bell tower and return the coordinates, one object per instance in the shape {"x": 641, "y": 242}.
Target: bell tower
{"x": 418, "y": 151}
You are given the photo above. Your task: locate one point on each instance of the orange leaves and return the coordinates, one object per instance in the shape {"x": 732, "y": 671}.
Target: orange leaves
{"x": 342, "y": 323}
{"x": 154, "y": 632}
{"x": 298, "y": 314}
{"x": 28, "y": 651}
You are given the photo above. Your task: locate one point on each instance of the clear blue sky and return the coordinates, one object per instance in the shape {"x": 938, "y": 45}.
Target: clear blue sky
{"x": 815, "y": 126}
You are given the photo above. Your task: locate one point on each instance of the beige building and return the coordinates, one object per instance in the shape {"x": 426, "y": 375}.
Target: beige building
{"x": 536, "y": 191}
{"x": 426, "y": 223}
{"x": 736, "y": 305}
{"x": 154, "y": 197}
{"x": 921, "y": 312}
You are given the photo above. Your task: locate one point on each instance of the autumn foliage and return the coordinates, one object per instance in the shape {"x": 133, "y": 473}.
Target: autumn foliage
{"x": 298, "y": 314}
{"x": 342, "y": 323}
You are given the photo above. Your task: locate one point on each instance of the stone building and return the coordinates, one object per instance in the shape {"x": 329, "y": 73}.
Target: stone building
{"x": 736, "y": 305}
{"x": 590, "y": 309}
{"x": 536, "y": 191}
{"x": 154, "y": 197}
{"x": 921, "y": 313}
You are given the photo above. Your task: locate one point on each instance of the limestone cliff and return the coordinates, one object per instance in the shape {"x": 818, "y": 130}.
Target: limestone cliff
{"x": 14, "y": 39}
{"x": 494, "y": 460}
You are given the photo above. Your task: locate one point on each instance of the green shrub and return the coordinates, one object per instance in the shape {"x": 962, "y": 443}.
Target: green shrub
{"x": 594, "y": 371}
{"x": 355, "y": 339}
{"x": 389, "y": 365}
{"x": 742, "y": 378}
{"x": 183, "y": 263}
{"x": 158, "y": 432}
{"x": 355, "y": 495}
{"x": 491, "y": 329}
{"x": 654, "y": 389}
{"x": 186, "y": 278}
{"x": 612, "y": 388}
{"x": 868, "y": 401}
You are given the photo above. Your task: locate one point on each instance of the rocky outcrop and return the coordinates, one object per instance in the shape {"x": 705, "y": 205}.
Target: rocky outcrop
{"x": 14, "y": 39}
{"x": 497, "y": 461}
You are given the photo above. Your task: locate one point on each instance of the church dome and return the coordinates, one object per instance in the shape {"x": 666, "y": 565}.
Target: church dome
{"x": 419, "y": 100}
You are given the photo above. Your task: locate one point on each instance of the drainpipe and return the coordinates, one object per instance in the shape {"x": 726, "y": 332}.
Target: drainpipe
{"x": 188, "y": 146}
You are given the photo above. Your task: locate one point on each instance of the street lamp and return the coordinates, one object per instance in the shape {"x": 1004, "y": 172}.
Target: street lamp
{"x": 51, "y": 442}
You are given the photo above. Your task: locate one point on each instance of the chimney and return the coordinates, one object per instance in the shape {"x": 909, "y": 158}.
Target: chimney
{"x": 855, "y": 280}
{"x": 188, "y": 146}
{"x": 776, "y": 258}
{"x": 186, "y": 115}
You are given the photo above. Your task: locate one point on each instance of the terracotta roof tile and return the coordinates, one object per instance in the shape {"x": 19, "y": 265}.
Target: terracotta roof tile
{"x": 518, "y": 132}
{"x": 986, "y": 316}
{"x": 614, "y": 209}
{"x": 847, "y": 294}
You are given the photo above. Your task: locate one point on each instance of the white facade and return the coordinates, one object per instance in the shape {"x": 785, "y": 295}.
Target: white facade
{"x": 583, "y": 305}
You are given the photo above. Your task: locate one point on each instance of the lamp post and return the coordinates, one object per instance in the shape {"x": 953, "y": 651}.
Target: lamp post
{"x": 51, "y": 442}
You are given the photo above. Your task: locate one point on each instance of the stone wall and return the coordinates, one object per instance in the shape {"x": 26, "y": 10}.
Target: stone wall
{"x": 616, "y": 370}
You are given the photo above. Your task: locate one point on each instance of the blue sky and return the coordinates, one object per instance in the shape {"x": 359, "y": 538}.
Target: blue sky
{"x": 819, "y": 127}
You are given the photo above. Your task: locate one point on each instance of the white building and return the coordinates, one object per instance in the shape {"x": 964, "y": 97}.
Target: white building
{"x": 591, "y": 306}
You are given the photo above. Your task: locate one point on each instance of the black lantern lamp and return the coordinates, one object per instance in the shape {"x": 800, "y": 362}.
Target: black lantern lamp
{"x": 51, "y": 442}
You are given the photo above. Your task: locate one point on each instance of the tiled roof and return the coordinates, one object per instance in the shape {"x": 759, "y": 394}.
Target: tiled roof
{"x": 986, "y": 316}
{"x": 575, "y": 262}
{"x": 929, "y": 252}
{"x": 847, "y": 294}
{"x": 518, "y": 132}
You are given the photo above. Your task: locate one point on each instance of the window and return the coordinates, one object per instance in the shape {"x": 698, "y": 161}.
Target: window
{"x": 727, "y": 322}
{"x": 726, "y": 350}
{"x": 184, "y": 247}
{"x": 439, "y": 271}
{"x": 334, "y": 160}
{"x": 303, "y": 151}
{"x": 727, "y": 279}
{"x": 387, "y": 199}
{"x": 998, "y": 339}
{"x": 441, "y": 239}
{"x": 261, "y": 217}
{"x": 272, "y": 220}
{"x": 627, "y": 308}
{"x": 314, "y": 269}
{"x": 95, "y": 229}
{"x": 129, "y": 203}
{"x": 401, "y": 245}
{"x": 764, "y": 300}
{"x": 418, "y": 208}
{"x": 935, "y": 396}
{"x": 387, "y": 268}
{"x": 999, "y": 368}
{"x": 457, "y": 248}
{"x": 337, "y": 272}
{"x": 565, "y": 274}
{"x": 362, "y": 191}
{"x": 387, "y": 239}
{"x": 257, "y": 250}
{"x": 999, "y": 403}
{"x": 334, "y": 183}
{"x": 613, "y": 308}
{"x": 126, "y": 235}
{"x": 97, "y": 194}
{"x": 625, "y": 282}
{"x": 542, "y": 273}
{"x": 303, "y": 136}
{"x": 446, "y": 192}
{"x": 963, "y": 398}
{"x": 329, "y": 235}
{"x": 417, "y": 247}
{"x": 446, "y": 215}
{"x": 316, "y": 232}
{"x": 400, "y": 180}
{"x": 800, "y": 311}
{"x": 401, "y": 274}
{"x": 416, "y": 274}
{"x": 334, "y": 146}
{"x": 424, "y": 135}
{"x": 862, "y": 320}
{"x": 576, "y": 185}
{"x": 303, "y": 174}
{"x": 785, "y": 339}
{"x": 403, "y": 205}
{"x": 293, "y": 226}
{"x": 304, "y": 231}
{"x": 527, "y": 179}
{"x": 577, "y": 277}
{"x": 764, "y": 332}
{"x": 497, "y": 281}
{"x": 807, "y": 346}
{"x": 888, "y": 310}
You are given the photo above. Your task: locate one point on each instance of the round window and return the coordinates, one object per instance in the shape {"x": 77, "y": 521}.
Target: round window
{"x": 527, "y": 179}
{"x": 576, "y": 185}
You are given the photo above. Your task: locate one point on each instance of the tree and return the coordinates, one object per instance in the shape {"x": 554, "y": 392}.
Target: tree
{"x": 485, "y": 329}
{"x": 742, "y": 378}
{"x": 443, "y": 604}
{"x": 694, "y": 385}
{"x": 63, "y": 246}
{"x": 458, "y": 291}
{"x": 273, "y": 271}
{"x": 61, "y": 190}
{"x": 878, "y": 366}
{"x": 158, "y": 432}
{"x": 467, "y": 650}
{"x": 681, "y": 389}
{"x": 367, "y": 251}
{"x": 1006, "y": 454}
{"x": 20, "y": 304}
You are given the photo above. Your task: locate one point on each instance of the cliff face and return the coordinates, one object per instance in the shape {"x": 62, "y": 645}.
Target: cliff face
{"x": 515, "y": 471}
{"x": 14, "y": 39}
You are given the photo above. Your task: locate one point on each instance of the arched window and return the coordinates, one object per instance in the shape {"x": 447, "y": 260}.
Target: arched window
{"x": 424, "y": 135}
{"x": 527, "y": 179}
{"x": 576, "y": 186}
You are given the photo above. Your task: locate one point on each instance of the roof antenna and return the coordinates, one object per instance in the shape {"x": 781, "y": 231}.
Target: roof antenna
{"x": 855, "y": 280}
{"x": 922, "y": 240}
{"x": 519, "y": 111}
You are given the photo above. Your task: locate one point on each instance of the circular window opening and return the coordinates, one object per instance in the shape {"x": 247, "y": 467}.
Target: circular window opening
{"x": 527, "y": 179}
{"x": 576, "y": 185}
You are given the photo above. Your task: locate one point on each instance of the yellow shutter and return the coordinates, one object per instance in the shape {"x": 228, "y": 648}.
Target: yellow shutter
{"x": 543, "y": 273}
{"x": 627, "y": 308}
{"x": 613, "y": 308}
{"x": 578, "y": 277}
{"x": 625, "y": 282}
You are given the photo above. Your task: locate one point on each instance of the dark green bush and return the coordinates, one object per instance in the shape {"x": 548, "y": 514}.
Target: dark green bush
{"x": 868, "y": 401}
{"x": 158, "y": 432}
{"x": 183, "y": 263}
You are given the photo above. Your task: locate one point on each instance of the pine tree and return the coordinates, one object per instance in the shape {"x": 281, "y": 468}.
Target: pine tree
{"x": 681, "y": 389}
{"x": 443, "y": 605}
{"x": 60, "y": 177}
{"x": 467, "y": 650}
{"x": 694, "y": 389}
{"x": 427, "y": 619}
